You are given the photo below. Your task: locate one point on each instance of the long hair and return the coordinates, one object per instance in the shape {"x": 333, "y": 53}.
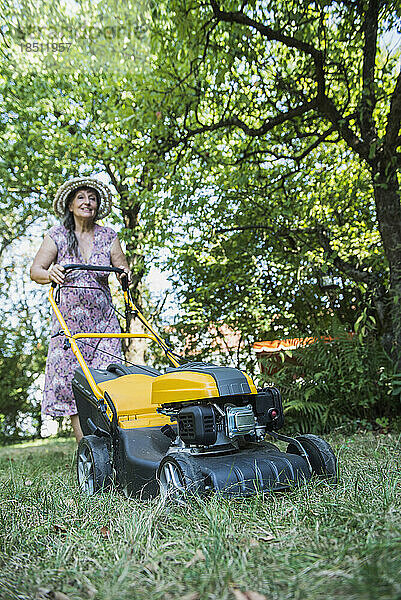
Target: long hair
{"x": 68, "y": 219}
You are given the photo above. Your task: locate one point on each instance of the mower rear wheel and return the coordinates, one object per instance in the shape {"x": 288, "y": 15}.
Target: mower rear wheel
{"x": 321, "y": 456}
{"x": 179, "y": 476}
{"x": 93, "y": 465}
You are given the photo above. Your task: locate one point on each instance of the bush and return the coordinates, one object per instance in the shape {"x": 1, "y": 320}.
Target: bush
{"x": 331, "y": 383}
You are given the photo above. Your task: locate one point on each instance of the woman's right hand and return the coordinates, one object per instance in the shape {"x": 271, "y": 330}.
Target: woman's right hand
{"x": 56, "y": 273}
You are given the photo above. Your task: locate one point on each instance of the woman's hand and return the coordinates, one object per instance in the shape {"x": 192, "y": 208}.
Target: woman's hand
{"x": 56, "y": 274}
{"x": 127, "y": 273}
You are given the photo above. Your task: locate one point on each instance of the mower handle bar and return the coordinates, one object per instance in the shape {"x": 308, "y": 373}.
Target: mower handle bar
{"x": 76, "y": 267}
{"x": 124, "y": 285}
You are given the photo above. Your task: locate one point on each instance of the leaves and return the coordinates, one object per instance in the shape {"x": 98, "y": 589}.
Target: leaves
{"x": 335, "y": 381}
{"x": 104, "y": 532}
{"x": 197, "y": 557}
{"x": 183, "y": 113}
{"x": 257, "y": 214}
{"x": 247, "y": 595}
{"x": 60, "y": 529}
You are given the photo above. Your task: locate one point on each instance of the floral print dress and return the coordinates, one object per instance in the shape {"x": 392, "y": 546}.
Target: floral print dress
{"x": 84, "y": 310}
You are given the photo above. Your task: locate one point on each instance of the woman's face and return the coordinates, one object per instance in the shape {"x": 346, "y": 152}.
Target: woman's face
{"x": 84, "y": 204}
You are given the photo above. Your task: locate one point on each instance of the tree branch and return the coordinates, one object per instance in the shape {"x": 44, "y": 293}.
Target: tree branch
{"x": 112, "y": 176}
{"x": 254, "y": 131}
{"x": 342, "y": 265}
{"x": 122, "y": 189}
{"x": 368, "y": 99}
{"x": 267, "y": 32}
{"x": 391, "y": 138}
{"x": 322, "y": 102}
{"x": 159, "y": 307}
{"x": 315, "y": 144}
{"x": 346, "y": 267}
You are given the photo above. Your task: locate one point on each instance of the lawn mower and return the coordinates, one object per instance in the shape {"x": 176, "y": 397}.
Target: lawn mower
{"x": 196, "y": 428}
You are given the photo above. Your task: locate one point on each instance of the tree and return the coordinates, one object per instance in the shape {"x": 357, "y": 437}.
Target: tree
{"x": 271, "y": 92}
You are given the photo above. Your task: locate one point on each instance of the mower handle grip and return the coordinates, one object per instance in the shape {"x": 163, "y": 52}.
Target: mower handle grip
{"x": 82, "y": 267}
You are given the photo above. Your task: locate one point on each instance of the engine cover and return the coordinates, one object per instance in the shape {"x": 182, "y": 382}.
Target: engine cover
{"x": 197, "y": 425}
{"x": 199, "y": 381}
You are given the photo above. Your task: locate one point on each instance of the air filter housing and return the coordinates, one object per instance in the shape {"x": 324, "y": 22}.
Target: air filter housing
{"x": 197, "y": 425}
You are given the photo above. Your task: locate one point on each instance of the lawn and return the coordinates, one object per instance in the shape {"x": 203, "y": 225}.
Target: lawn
{"x": 318, "y": 542}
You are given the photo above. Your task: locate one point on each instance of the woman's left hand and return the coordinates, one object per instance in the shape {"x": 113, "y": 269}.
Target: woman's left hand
{"x": 128, "y": 274}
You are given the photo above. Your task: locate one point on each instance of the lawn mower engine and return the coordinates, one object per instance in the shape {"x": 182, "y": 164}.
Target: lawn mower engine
{"x": 219, "y": 443}
{"x": 225, "y": 422}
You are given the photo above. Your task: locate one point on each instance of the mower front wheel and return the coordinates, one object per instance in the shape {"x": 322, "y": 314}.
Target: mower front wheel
{"x": 93, "y": 465}
{"x": 179, "y": 476}
{"x": 320, "y": 454}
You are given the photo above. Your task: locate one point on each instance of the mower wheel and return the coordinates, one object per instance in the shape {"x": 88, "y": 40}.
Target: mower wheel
{"x": 179, "y": 476}
{"x": 93, "y": 465}
{"x": 321, "y": 456}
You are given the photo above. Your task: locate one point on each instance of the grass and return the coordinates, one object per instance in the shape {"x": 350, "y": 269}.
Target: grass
{"x": 314, "y": 543}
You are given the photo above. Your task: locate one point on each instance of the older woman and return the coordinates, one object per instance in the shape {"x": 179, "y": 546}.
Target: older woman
{"x": 79, "y": 239}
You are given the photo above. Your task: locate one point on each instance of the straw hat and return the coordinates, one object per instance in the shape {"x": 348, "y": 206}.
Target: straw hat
{"x": 73, "y": 184}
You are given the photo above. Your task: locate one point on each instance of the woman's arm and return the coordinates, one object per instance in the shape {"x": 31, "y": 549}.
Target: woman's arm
{"x": 41, "y": 271}
{"x": 118, "y": 258}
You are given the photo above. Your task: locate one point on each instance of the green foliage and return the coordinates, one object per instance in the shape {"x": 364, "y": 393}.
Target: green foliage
{"x": 22, "y": 359}
{"x": 19, "y": 409}
{"x": 23, "y": 349}
{"x": 65, "y": 111}
{"x": 75, "y": 112}
{"x": 272, "y": 158}
{"x": 345, "y": 380}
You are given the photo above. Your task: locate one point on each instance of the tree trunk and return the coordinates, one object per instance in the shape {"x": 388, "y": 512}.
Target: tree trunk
{"x": 388, "y": 207}
{"x": 134, "y": 349}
